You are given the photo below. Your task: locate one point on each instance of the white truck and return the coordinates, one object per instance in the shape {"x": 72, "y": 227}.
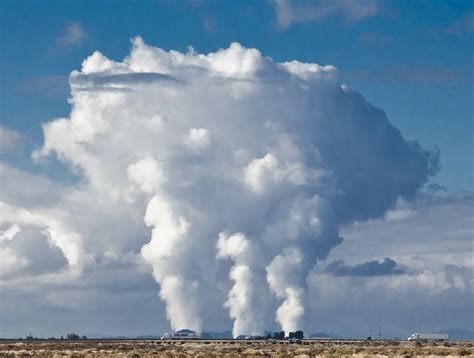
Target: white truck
{"x": 428, "y": 337}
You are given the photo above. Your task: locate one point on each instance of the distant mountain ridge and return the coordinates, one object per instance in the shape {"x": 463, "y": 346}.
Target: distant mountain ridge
{"x": 220, "y": 335}
{"x": 148, "y": 336}
{"x": 322, "y": 335}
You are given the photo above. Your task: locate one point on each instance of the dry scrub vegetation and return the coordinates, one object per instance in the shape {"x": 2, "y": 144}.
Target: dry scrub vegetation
{"x": 208, "y": 349}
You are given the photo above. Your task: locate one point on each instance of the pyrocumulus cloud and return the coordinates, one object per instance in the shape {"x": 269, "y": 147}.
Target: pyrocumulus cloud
{"x": 240, "y": 170}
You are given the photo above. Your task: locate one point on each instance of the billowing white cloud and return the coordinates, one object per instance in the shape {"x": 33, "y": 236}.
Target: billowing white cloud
{"x": 10, "y": 233}
{"x": 284, "y": 276}
{"x": 147, "y": 174}
{"x": 245, "y": 299}
{"x": 198, "y": 138}
{"x": 50, "y": 225}
{"x": 226, "y": 175}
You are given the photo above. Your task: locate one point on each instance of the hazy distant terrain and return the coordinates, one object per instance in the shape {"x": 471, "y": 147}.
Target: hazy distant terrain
{"x": 233, "y": 348}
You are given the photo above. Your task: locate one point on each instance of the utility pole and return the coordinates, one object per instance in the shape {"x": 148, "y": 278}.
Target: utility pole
{"x": 380, "y": 333}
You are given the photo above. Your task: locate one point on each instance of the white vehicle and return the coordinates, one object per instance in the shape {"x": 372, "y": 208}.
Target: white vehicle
{"x": 428, "y": 337}
{"x": 167, "y": 335}
{"x": 182, "y": 334}
{"x": 294, "y": 340}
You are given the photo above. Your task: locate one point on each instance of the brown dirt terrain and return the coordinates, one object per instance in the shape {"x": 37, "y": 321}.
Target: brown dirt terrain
{"x": 229, "y": 348}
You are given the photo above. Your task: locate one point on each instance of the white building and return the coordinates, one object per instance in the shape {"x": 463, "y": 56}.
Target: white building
{"x": 182, "y": 334}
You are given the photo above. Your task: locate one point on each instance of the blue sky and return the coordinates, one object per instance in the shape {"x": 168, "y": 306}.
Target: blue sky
{"x": 412, "y": 59}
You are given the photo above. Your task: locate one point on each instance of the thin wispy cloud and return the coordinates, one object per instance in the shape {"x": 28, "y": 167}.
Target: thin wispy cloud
{"x": 410, "y": 74}
{"x": 290, "y": 12}
{"x": 209, "y": 23}
{"x": 73, "y": 34}
{"x": 372, "y": 268}
{"x": 10, "y": 140}
{"x": 50, "y": 86}
{"x": 464, "y": 25}
{"x": 375, "y": 39}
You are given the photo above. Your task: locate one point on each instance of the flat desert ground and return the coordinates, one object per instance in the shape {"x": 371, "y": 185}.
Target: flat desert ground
{"x": 233, "y": 348}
